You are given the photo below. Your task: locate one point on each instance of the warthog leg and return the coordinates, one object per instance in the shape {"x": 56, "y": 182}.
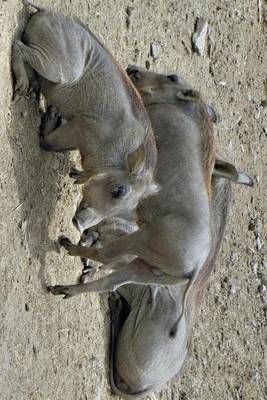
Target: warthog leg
{"x": 22, "y": 83}
{"x": 51, "y": 120}
{"x": 138, "y": 272}
{"x": 63, "y": 138}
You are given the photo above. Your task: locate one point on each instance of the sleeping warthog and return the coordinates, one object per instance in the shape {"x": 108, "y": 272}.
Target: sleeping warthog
{"x": 174, "y": 238}
{"x": 106, "y": 120}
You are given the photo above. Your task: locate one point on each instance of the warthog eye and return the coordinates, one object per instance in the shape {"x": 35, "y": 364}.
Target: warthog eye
{"x": 173, "y": 78}
{"x": 118, "y": 191}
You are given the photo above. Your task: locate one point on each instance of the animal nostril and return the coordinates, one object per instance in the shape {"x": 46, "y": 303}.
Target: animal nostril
{"x": 173, "y": 78}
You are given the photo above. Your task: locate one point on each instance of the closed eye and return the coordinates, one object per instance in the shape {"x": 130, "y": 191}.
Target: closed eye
{"x": 173, "y": 78}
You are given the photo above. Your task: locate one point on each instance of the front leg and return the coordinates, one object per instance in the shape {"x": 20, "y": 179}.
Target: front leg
{"x": 125, "y": 245}
{"x": 77, "y": 250}
{"x": 21, "y": 84}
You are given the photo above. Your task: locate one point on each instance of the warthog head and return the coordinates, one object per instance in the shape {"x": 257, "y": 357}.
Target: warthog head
{"x": 165, "y": 88}
{"x": 155, "y": 85}
{"x": 114, "y": 192}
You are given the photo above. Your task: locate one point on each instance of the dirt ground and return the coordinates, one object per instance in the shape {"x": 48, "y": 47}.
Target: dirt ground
{"x": 53, "y": 349}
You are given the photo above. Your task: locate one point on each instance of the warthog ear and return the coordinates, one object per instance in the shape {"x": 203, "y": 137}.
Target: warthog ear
{"x": 135, "y": 162}
{"x": 227, "y": 170}
{"x": 213, "y": 114}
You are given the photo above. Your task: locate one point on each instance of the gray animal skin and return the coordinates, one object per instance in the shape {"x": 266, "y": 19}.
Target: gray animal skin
{"x": 143, "y": 357}
{"x": 106, "y": 119}
{"x": 174, "y": 238}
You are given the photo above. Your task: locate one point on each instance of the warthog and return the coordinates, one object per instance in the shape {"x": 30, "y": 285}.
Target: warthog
{"x": 143, "y": 356}
{"x": 174, "y": 238}
{"x": 106, "y": 119}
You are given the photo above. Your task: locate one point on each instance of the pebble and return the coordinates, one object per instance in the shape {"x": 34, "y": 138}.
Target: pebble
{"x": 254, "y": 266}
{"x": 258, "y": 112}
{"x": 147, "y": 64}
{"x": 252, "y": 224}
{"x": 232, "y": 289}
{"x": 199, "y": 36}
{"x": 254, "y": 375}
{"x": 233, "y": 258}
{"x": 262, "y": 289}
{"x": 129, "y": 11}
{"x": 155, "y": 49}
{"x": 258, "y": 244}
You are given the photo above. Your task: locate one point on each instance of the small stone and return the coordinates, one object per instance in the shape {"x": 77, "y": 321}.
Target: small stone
{"x": 222, "y": 83}
{"x": 129, "y": 11}
{"x": 258, "y": 244}
{"x": 254, "y": 266}
{"x": 232, "y": 289}
{"x": 155, "y": 49}
{"x": 254, "y": 375}
{"x": 262, "y": 289}
{"x": 147, "y": 64}
{"x": 233, "y": 257}
{"x": 199, "y": 36}
{"x": 204, "y": 361}
{"x": 239, "y": 120}
{"x": 257, "y": 113}
{"x": 237, "y": 13}
{"x": 252, "y": 225}
{"x": 264, "y": 103}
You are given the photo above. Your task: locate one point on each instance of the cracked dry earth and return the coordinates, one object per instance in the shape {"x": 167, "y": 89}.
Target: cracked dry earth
{"x": 55, "y": 349}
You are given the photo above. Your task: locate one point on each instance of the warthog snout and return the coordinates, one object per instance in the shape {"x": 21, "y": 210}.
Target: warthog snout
{"x": 85, "y": 218}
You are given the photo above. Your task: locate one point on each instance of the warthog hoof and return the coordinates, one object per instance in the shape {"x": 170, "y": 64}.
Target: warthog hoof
{"x": 51, "y": 120}
{"x": 21, "y": 89}
{"x": 65, "y": 291}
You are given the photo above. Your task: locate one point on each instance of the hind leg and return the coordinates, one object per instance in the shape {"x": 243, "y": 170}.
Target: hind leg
{"x": 68, "y": 136}
{"x": 137, "y": 272}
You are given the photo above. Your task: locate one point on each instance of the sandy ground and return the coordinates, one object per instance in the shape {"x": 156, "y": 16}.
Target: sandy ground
{"x": 55, "y": 349}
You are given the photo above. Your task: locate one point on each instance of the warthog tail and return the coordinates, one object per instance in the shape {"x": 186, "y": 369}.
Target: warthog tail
{"x": 29, "y": 3}
{"x": 119, "y": 313}
{"x": 174, "y": 328}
